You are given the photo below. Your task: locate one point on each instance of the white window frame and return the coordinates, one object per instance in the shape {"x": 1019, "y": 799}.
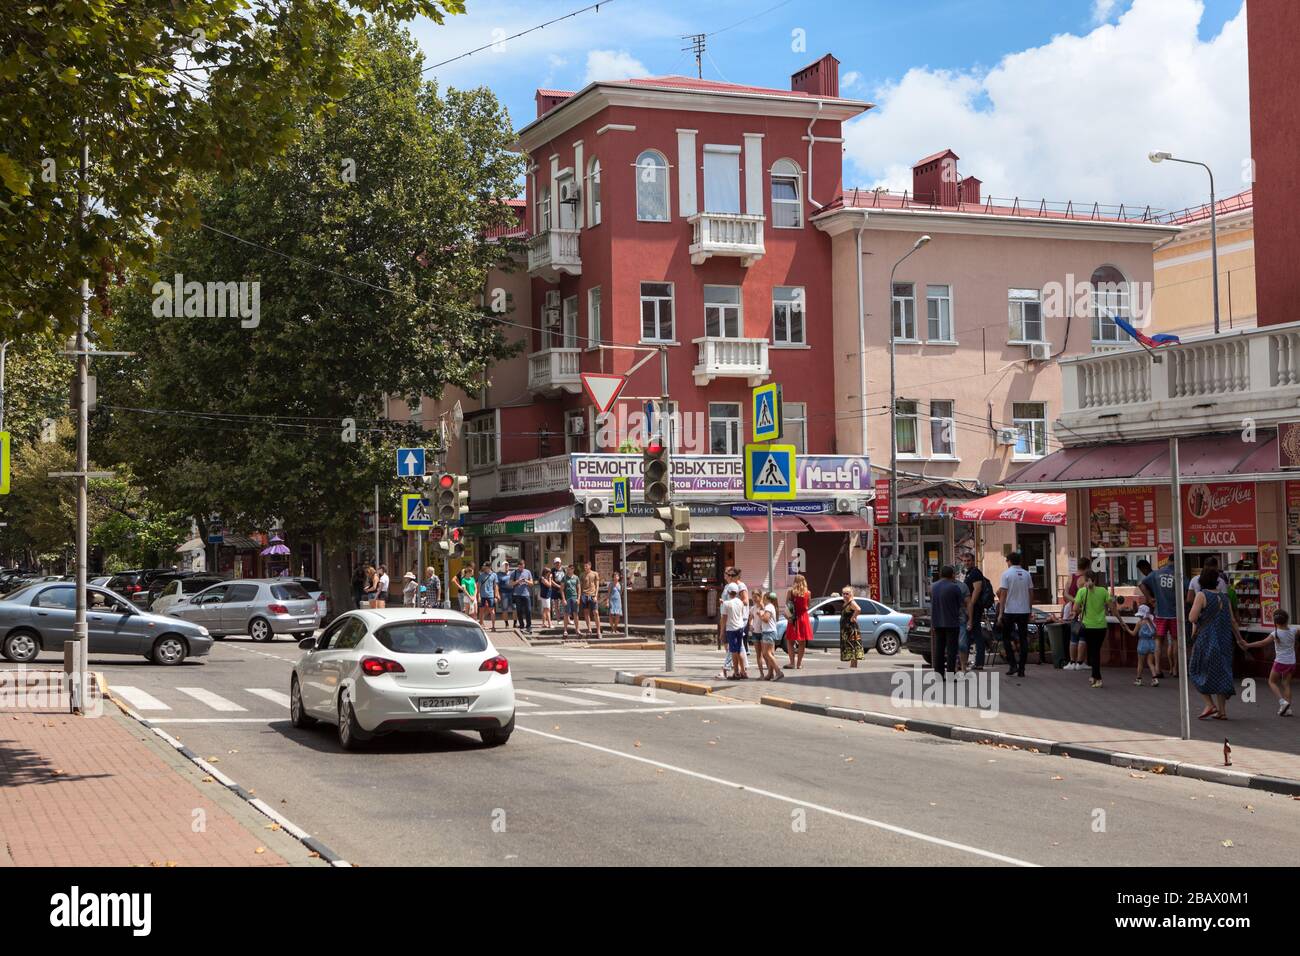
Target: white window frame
{"x": 1017, "y": 302}
{"x": 544, "y": 209}
{"x": 733, "y": 152}
{"x": 728, "y": 313}
{"x": 786, "y": 297}
{"x": 483, "y": 441}
{"x": 948, "y": 422}
{"x": 943, "y": 298}
{"x": 658, "y": 301}
{"x": 733, "y": 423}
{"x": 593, "y": 317}
{"x": 593, "y": 192}
{"x": 784, "y": 169}
{"x": 914, "y": 416}
{"x": 640, "y": 170}
{"x": 569, "y": 322}
{"x": 1104, "y": 330}
{"x": 794, "y": 425}
{"x": 1030, "y": 431}
{"x": 902, "y": 312}
{"x": 573, "y": 444}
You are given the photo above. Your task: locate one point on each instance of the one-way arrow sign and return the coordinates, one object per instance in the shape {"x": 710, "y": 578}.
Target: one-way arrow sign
{"x": 410, "y": 463}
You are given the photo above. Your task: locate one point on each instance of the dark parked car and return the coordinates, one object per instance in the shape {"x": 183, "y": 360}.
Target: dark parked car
{"x": 40, "y": 617}
{"x": 126, "y": 583}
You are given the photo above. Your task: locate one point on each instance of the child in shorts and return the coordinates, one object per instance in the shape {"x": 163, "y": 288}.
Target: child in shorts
{"x": 1279, "y": 678}
{"x": 1145, "y": 631}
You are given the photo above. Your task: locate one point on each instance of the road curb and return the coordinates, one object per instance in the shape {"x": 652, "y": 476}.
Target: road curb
{"x": 1114, "y": 758}
{"x": 288, "y": 826}
{"x": 662, "y": 683}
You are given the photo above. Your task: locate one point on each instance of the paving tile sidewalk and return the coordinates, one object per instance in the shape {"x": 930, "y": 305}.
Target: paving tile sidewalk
{"x": 82, "y": 791}
{"x": 1059, "y": 705}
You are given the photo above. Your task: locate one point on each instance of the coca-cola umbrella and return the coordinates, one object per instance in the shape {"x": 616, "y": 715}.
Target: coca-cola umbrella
{"x": 277, "y": 546}
{"x": 1025, "y": 507}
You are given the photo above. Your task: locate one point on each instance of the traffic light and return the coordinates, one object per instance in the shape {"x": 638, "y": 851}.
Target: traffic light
{"x": 681, "y": 517}
{"x": 451, "y": 500}
{"x": 665, "y": 534}
{"x": 655, "y": 472}
{"x": 457, "y": 540}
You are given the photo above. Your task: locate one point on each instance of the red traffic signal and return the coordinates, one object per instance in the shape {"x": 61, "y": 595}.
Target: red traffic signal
{"x": 456, "y": 535}
{"x": 446, "y": 481}
{"x": 654, "y": 447}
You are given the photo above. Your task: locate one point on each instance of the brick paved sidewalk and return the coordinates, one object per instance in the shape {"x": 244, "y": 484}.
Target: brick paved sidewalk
{"x": 80, "y": 791}
{"x": 1059, "y": 705}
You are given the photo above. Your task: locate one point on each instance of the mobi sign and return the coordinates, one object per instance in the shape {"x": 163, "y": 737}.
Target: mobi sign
{"x": 1219, "y": 514}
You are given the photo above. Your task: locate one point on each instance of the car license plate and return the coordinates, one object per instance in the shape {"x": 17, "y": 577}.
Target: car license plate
{"x": 443, "y": 703}
{"x": 306, "y": 620}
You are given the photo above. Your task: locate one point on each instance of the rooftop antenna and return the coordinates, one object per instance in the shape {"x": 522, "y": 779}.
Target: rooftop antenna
{"x": 697, "y": 48}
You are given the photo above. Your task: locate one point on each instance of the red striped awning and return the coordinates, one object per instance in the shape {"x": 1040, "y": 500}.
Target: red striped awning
{"x": 757, "y": 524}
{"x": 836, "y": 522}
{"x": 1025, "y": 507}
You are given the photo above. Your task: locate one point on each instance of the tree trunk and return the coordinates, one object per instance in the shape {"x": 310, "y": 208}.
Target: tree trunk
{"x": 338, "y": 577}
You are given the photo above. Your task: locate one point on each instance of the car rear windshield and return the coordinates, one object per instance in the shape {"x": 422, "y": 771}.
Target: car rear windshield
{"x": 433, "y": 637}
{"x": 290, "y": 592}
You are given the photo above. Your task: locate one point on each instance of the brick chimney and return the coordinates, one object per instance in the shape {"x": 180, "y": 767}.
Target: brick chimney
{"x": 818, "y": 79}
{"x": 548, "y": 100}
{"x": 968, "y": 191}
{"x": 934, "y": 179}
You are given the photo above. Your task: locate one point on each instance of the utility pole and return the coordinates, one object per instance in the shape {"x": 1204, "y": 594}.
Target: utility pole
{"x": 670, "y": 628}
{"x": 1180, "y": 590}
{"x": 696, "y": 47}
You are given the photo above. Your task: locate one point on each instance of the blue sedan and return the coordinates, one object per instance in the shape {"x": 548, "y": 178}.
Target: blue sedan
{"x": 882, "y": 628}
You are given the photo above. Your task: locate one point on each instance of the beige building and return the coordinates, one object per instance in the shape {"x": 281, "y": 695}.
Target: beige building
{"x": 1184, "y": 297}
{"x": 982, "y": 314}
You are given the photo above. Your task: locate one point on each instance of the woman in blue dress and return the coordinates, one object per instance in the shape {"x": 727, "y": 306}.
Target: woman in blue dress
{"x": 1214, "y": 632}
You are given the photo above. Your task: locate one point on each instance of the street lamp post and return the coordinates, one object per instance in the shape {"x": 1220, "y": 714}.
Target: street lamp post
{"x": 1160, "y": 157}
{"x": 895, "y": 570}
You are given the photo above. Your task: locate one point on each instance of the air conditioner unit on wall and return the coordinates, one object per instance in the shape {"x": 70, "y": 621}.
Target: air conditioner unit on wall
{"x": 553, "y": 298}
{"x": 596, "y": 506}
{"x": 577, "y": 425}
{"x": 1040, "y": 352}
{"x": 1007, "y": 436}
{"x": 846, "y": 506}
{"x": 569, "y": 191}
{"x": 552, "y": 316}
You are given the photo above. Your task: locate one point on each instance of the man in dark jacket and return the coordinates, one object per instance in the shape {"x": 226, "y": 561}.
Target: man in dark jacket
{"x": 946, "y": 608}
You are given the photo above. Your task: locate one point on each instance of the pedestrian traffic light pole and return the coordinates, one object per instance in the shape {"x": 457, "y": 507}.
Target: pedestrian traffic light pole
{"x": 670, "y": 628}
{"x": 1180, "y": 623}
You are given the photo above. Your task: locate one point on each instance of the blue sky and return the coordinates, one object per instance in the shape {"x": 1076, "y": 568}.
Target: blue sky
{"x": 1054, "y": 98}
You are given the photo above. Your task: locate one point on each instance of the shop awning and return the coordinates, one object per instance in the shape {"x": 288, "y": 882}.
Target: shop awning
{"x": 1025, "y": 507}
{"x": 1223, "y": 456}
{"x": 556, "y": 521}
{"x": 508, "y": 522}
{"x": 639, "y": 528}
{"x": 757, "y": 524}
{"x": 836, "y": 522}
{"x": 718, "y": 528}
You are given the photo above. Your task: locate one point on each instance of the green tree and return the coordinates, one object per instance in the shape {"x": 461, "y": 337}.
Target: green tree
{"x": 374, "y": 290}
{"x": 130, "y": 530}
{"x": 157, "y": 90}
{"x": 40, "y": 512}
{"x": 38, "y": 382}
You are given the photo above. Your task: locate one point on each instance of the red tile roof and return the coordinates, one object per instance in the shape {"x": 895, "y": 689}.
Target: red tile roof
{"x": 544, "y": 92}
{"x": 933, "y": 157}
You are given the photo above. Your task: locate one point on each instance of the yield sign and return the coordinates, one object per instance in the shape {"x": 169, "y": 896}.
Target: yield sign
{"x": 603, "y": 389}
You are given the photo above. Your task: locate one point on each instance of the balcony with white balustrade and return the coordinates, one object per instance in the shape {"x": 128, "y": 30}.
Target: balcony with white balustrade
{"x": 721, "y": 357}
{"x": 554, "y": 252}
{"x": 726, "y": 234}
{"x": 533, "y": 477}
{"x": 552, "y": 371}
{"x": 1208, "y": 383}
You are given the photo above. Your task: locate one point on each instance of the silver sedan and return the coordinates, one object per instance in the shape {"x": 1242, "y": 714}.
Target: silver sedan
{"x": 41, "y": 616}
{"x": 882, "y": 627}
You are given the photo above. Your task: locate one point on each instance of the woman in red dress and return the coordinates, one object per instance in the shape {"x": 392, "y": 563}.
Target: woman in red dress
{"x": 799, "y": 633}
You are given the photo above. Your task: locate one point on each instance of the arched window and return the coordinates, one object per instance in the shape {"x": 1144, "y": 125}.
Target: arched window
{"x": 593, "y": 192}
{"x": 1110, "y": 298}
{"x": 652, "y": 187}
{"x": 787, "y": 205}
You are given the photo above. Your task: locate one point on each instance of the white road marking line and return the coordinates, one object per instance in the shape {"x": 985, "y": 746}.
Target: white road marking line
{"x": 525, "y": 703}
{"x": 216, "y": 720}
{"x": 615, "y": 695}
{"x": 137, "y": 698}
{"x": 215, "y": 701}
{"x": 274, "y": 696}
{"x": 640, "y": 710}
{"x": 830, "y": 811}
{"x": 560, "y": 697}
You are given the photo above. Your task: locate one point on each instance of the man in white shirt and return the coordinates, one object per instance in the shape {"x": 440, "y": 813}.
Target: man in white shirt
{"x": 381, "y": 596}
{"x": 731, "y": 628}
{"x": 1014, "y": 605}
{"x": 1194, "y": 586}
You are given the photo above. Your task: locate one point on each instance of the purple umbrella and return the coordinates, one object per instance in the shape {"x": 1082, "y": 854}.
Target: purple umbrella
{"x": 277, "y": 546}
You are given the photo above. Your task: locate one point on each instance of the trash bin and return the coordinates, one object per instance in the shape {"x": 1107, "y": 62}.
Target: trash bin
{"x": 1058, "y": 635}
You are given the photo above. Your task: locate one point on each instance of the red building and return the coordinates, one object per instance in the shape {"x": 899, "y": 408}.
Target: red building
{"x": 673, "y": 212}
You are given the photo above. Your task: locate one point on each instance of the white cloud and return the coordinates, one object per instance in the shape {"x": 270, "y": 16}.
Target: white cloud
{"x": 612, "y": 65}
{"x": 1076, "y": 117}
{"x": 850, "y": 79}
{"x": 1102, "y": 10}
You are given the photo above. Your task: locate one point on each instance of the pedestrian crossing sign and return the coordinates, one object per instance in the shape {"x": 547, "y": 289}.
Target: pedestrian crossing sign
{"x": 769, "y": 472}
{"x": 618, "y": 499}
{"x": 416, "y": 513}
{"x": 767, "y": 412}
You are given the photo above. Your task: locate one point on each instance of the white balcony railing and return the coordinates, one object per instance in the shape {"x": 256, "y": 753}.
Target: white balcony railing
{"x": 553, "y": 252}
{"x": 731, "y": 358}
{"x": 553, "y": 370}
{"x": 522, "y": 478}
{"x": 1205, "y": 384}
{"x": 726, "y": 234}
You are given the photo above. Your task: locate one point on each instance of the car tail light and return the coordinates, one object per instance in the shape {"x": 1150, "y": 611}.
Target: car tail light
{"x": 133, "y": 589}
{"x": 498, "y": 664}
{"x": 277, "y": 609}
{"x": 374, "y": 666}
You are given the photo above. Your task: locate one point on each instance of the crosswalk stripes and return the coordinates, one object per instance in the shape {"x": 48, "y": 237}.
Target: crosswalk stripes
{"x": 546, "y": 695}
{"x": 139, "y": 699}
{"x": 274, "y": 696}
{"x": 215, "y": 701}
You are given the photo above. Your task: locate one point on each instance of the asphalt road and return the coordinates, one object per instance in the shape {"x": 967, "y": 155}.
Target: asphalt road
{"x": 597, "y": 774}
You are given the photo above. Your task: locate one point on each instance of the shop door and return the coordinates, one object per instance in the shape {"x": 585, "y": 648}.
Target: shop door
{"x": 1036, "y": 549}
{"x": 932, "y": 561}
{"x": 909, "y": 575}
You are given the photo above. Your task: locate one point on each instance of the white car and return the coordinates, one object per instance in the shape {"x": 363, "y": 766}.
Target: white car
{"x": 374, "y": 672}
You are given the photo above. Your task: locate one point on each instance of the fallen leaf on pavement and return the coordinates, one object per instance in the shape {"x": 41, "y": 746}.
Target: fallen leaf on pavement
{"x": 214, "y": 760}
{"x": 271, "y": 826}
{"x": 1227, "y": 843}
{"x": 232, "y": 751}
{"x": 900, "y": 726}
{"x": 1057, "y": 776}
{"x": 206, "y": 780}
{"x": 659, "y": 770}
{"x": 260, "y": 849}
{"x": 636, "y": 743}
{"x": 933, "y": 804}
{"x": 713, "y": 743}
{"x": 1158, "y": 768}
{"x": 848, "y": 760}
{"x": 1136, "y": 775}
{"x": 1250, "y": 808}
{"x": 314, "y": 855}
